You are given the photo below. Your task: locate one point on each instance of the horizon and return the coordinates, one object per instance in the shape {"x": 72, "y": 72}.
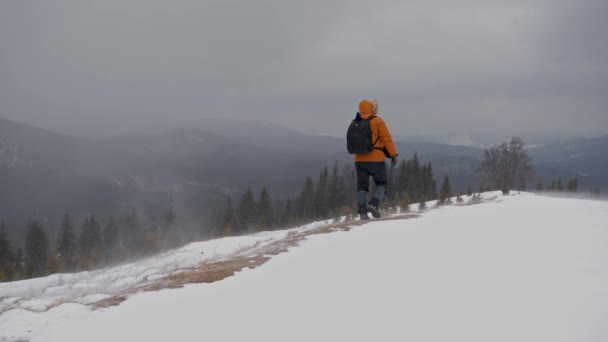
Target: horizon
{"x": 160, "y": 126}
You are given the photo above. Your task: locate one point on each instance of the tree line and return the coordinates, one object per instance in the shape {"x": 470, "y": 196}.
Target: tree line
{"x": 94, "y": 245}
{"x": 331, "y": 195}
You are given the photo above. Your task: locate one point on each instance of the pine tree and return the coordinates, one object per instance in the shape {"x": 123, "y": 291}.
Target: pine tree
{"x": 305, "y": 207}
{"x": 246, "y": 214}
{"x": 169, "y": 233}
{"x": 469, "y": 191}
{"x": 446, "y": 191}
{"x": 572, "y": 185}
{"x": 540, "y": 187}
{"x": 553, "y": 185}
{"x": 560, "y": 186}
{"x": 36, "y": 250}
{"x": 7, "y": 272}
{"x": 264, "y": 211}
{"x": 66, "y": 245}
{"x": 229, "y": 219}
{"x": 422, "y": 204}
{"x": 433, "y": 184}
{"x": 89, "y": 244}
{"x": 321, "y": 196}
{"x": 415, "y": 189}
{"x": 53, "y": 264}
{"x": 332, "y": 189}
{"x": 7, "y": 256}
{"x": 7, "y": 252}
{"x": 19, "y": 263}
{"x": 133, "y": 236}
{"x": 110, "y": 236}
{"x": 405, "y": 202}
{"x": 289, "y": 212}
{"x": 404, "y": 172}
{"x": 279, "y": 214}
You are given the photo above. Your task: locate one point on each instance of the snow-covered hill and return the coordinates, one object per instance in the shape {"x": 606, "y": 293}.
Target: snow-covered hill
{"x": 515, "y": 268}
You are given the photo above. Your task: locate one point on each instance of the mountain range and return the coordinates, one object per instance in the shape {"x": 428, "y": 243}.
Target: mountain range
{"x": 193, "y": 166}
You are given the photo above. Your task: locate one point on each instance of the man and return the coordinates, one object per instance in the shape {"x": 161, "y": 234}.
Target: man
{"x": 372, "y": 163}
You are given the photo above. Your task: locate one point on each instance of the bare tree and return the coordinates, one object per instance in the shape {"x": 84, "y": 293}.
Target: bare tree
{"x": 505, "y": 163}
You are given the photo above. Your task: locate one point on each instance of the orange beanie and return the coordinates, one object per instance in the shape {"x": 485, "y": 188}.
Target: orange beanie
{"x": 366, "y": 107}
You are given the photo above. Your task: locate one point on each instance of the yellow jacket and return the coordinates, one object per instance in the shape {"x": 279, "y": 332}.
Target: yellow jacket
{"x": 380, "y": 135}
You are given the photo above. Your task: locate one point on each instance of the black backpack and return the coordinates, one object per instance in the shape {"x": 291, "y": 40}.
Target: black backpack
{"x": 359, "y": 136}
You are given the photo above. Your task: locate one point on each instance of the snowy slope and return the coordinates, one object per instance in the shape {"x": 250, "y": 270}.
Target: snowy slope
{"x": 521, "y": 268}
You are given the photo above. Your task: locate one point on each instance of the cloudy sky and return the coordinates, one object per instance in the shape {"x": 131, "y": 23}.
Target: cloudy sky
{"x": 472, "y": 68}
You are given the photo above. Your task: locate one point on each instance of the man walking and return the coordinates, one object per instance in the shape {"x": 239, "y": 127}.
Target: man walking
{"x": 372, "y": 163}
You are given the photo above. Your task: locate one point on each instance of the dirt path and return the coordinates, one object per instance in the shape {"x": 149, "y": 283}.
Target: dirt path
{"x": 209, "y": 272}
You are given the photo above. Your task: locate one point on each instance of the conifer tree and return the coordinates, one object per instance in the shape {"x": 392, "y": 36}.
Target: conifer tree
{"x": 36, "y": 250}
{"x": 7, "y": 256}
{"x": 264, "y": 211}
{"x": 110, "y": 236}
{"x": 279, "y": 214}
{"x": 553, "y": 185}
{"x": 404, "y": 204}
{"x": 433, "y": 183}
{"x": 53, "y": 264}
{"x": 7, "y": 252}
{"x": 151, "y": 243}
{"x": 446, "y": 191}
{"x": 415, "y": 191}
{"x": 306, "y": 201}
{"x": 66, "y": 245}
{"x": 247, "y": 213}
{"x": 469, "y": 191}
{"x": 540, "y": 187}
{"x": 404, "y": 172}
{"x": 229, "y": 219}
{"x": 169, "y": 233}
{"x": 332, "y": 189}
{"x": 7, "y": 272}
{"x": 321, "y": 196}
{"x": 422, "y": 204}
{"x": 289, "y": 212}
{"x": 133, "y": 235}
{"x": 560, "y": 186}
{"x": 572, "y": 185}
{"x": 89, "y": 244}
{"x": 19, "y": 263}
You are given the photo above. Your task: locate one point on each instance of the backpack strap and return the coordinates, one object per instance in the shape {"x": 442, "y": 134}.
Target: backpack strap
{"x": 370, "y": 118}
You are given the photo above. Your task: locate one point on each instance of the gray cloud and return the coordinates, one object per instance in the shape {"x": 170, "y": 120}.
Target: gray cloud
{"x": 487, "y": 69}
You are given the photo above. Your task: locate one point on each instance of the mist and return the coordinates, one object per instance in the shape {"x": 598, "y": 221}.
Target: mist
{"x": 480, "y": 70}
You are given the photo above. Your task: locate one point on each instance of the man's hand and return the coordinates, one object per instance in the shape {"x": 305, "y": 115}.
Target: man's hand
{"x": 394, "y": 160}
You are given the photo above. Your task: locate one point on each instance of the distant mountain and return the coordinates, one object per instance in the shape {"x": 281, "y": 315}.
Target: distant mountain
{"x": 45, "y": 174}
{"x": 586, "y": 159}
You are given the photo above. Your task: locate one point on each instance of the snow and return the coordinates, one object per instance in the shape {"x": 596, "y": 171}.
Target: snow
{"x": 519, "y": 268}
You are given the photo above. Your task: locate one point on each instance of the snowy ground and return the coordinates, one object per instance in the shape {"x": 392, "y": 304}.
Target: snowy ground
{"x": 521, "y": 268}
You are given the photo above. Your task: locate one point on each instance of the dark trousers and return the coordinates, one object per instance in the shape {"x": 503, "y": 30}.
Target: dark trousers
{"x": 375, "y": 169}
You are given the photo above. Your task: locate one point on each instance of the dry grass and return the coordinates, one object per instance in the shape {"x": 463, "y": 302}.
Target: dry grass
{"x": 210, "y": 272}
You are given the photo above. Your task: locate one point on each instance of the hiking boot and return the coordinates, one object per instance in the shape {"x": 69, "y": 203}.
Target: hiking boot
{"x": 374, "y": 210}
{"x": 362, "y": 210}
